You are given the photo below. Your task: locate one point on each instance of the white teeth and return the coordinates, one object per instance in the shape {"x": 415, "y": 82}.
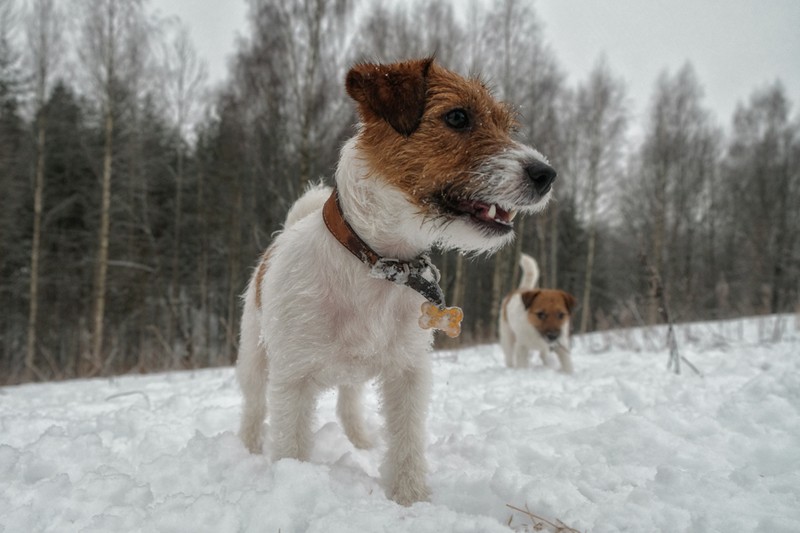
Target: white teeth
{"x": 512, "y": 214}
{"x": 492, "y": 211}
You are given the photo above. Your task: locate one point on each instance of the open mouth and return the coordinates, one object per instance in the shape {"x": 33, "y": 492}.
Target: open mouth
{"x": 487, "y": 216}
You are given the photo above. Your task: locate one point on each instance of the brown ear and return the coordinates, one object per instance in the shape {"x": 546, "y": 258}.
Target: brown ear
{"x": 528, "y": 297}
{"x": 569, "y": 301}
{"x": 394, "y": 93}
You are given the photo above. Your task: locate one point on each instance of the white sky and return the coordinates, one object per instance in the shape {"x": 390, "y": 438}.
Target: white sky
{"x": 735, "y": 46}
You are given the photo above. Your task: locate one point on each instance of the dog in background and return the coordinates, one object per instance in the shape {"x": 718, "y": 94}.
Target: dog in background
{"x": 433, "y": 163}
{"x": 535, "y": 319}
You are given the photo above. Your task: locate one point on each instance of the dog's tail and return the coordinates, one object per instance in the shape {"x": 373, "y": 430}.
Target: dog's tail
{"x": 313, "y": 199}
{"x": 530, "y": 272}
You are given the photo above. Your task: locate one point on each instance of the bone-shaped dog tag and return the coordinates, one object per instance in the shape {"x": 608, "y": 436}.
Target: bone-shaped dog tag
{"x": 447, "y": 319}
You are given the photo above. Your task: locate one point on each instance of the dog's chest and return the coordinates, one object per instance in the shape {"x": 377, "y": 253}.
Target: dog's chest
{"x": 375, "y": 315}
{"x": 325, "y": 314}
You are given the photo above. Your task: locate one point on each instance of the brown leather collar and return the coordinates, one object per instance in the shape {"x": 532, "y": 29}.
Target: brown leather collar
{"x": 344, "y": 233}
{"x": 419, "y": 273}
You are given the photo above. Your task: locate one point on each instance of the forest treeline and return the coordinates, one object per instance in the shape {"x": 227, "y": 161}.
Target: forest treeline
{"x": 135, "y": 197}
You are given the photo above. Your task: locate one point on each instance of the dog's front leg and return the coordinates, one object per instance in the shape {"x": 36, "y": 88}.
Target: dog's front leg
{"x": 521, "y": 354}
{"x": 292, "y": 405}
{"x": 543, "y": 353}
{"x": 406, "y": 394}
{"x": 564, "y": 358}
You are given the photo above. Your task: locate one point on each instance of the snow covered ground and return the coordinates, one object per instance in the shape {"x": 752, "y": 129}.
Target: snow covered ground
{"x": 622, "y": 445}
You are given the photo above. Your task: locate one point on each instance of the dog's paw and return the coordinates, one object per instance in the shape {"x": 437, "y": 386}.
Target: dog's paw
{"x": 362, "y": 440}
{"x": 408, "y": 494}
{"x": 447, "y": 319}
{"x": 254, "y": 444}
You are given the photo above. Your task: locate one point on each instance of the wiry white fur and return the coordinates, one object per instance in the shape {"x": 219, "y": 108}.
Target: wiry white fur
{"x": 324, "y": 322}
{"x": 518, "y": 337}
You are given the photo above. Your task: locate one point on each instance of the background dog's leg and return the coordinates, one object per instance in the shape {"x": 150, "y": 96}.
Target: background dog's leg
{"x": 406, "y": 395}
{"x": 564, "y": 358}
{"x": 507, "y": 342}
{"x": 543, "y": 353}
{"x": 351, "y": 413}
{"x": 509, "y": 358}
{"x": 521, "y": 354}
{"x": 252, "y": 372}
{"x": 291, "y": 407}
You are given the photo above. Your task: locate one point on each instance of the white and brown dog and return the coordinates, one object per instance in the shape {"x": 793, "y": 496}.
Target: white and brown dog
{"x": 535, "y": 319}
{"x": 336, "y": 298}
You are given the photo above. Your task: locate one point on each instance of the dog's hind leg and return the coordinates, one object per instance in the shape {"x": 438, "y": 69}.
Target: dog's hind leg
{"x": 291, "y": 404}
{"x": 405, "y": 405}
{"x": 252, "y": 373}
{"x": 350, "y": 411}
{"x": 507, "y": 341}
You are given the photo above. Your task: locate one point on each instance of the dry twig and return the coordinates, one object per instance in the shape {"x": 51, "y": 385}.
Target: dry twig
{"x": 538, "y": 523}
{"x": 657, "y": 287}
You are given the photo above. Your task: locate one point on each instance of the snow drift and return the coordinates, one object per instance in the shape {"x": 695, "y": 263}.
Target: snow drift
{"x": 622, "y": 445}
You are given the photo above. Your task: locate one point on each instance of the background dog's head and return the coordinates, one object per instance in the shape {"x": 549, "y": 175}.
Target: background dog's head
{"x": 549, "y": 311}
{"x": 446, "y": 144}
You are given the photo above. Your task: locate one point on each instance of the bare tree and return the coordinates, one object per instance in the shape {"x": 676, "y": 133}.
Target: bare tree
{"x": 672, "y": 171}
{"x": 44, "y": 39}
{"x": 12, "y": 129}
{"x": 314, "y": 33}
{"x": 106, "y": 37}
{"x": 600, "y": 121}
{"x": 184, "y": 76}
{"x": 762, "y": 178}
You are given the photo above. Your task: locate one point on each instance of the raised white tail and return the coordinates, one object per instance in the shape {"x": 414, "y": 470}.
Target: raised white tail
{"x": 312, "y": 200}
{"x": 530, "y": 272}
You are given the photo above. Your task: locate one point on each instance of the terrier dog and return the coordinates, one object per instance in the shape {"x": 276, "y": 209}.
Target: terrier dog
{"x": 335, "y": 300}
{"x": 535, "y": 319}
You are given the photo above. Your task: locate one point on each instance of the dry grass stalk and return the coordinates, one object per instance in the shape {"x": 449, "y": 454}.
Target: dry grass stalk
{"x": 538, "y": 523}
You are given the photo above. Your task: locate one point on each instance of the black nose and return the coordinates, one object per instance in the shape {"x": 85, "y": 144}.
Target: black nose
{"x": 541, "y": 175}
{"x": 552, "y": 335}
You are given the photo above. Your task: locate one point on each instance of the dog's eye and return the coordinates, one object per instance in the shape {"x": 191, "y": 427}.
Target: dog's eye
{"x": 560, "y": 316}
{"x": 541, "y": 315}
{"x": 458, "y": 119}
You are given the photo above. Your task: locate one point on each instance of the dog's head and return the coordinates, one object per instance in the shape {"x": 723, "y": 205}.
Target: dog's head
{"x": 448, "y": 146}
{"x": 549, "y": 311}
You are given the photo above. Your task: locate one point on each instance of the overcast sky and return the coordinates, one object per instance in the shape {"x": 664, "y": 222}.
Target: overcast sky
{"x": 735, "y": 46}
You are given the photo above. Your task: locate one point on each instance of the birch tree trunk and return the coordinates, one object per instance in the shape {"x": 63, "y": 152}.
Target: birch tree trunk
{"x": 108, "y": 53}
{"x": 101, "y": 272}
{"x": 43, "y": 30}
{"x": 33, "y": 292}
{"x": 587, "y": 281}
